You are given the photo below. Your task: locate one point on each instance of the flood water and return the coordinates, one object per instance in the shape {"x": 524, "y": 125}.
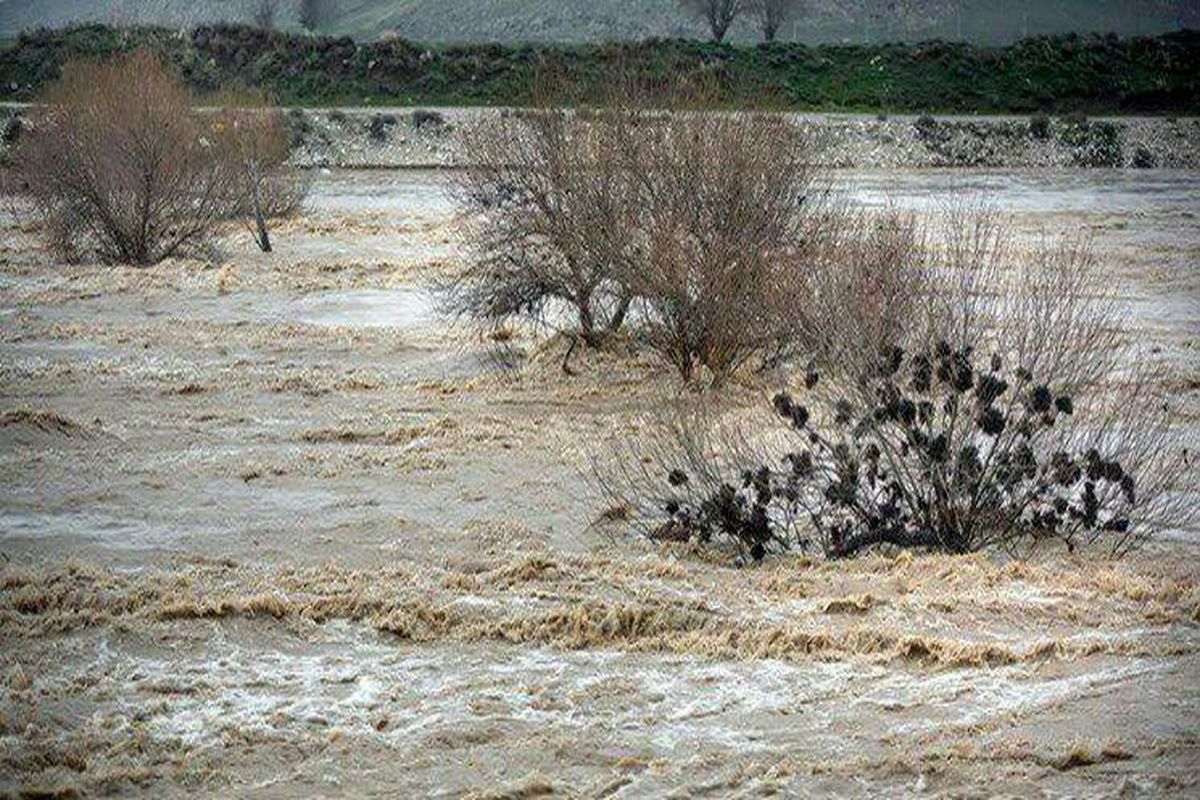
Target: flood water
{"x": 1023, "y": 191}
{"x": 273, "y": 526}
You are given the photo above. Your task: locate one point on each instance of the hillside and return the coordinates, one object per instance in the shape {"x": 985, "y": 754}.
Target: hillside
{"x": 1069, "y": 73}
{"x": 864, "y": 21}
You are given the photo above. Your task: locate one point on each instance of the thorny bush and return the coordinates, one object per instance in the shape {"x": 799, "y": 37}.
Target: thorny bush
{"x": 962, "y": 393}
{"x": 951, "y": 455}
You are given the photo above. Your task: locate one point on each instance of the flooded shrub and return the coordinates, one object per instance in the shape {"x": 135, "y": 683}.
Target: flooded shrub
{"x": 1005, "y": 410}
{"x": 118, "y": 165}
{"x": 953, "y": 453}
{"x": 551, "y": 222}
{"x": 256, "y": 143}
{"x": 693, "y": 225}
{"x": 732, "y": 214}
{"x": 859, "y": 291}
{"x": 1144, "y": 158}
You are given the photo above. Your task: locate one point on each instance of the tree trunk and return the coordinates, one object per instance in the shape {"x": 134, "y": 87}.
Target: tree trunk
{"x": 260, "y": 222}
{"x": 619, "y": 313}
{"x": 587, "y": 323}
{"x": 566, "y": 362}
{"x": 264, "y": 236}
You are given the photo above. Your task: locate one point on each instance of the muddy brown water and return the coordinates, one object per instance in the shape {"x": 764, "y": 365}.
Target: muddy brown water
{"x": 276, "y": 527}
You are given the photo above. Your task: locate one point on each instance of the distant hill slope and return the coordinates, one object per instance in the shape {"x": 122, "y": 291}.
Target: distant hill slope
{"x": 18, "y": 15}
{"x": 1093, "y": 74}
{"x": 982, "y": 21}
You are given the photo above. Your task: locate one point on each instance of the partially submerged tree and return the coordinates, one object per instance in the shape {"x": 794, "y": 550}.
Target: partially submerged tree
{"x": 551, "y": 221}
{"x": 772, "y": 14}
{"x": 717, "y": 14}
{"x": 730, "y": 206}
{"x": 117, "y": 164}
{"x": 691, "y": 222}
{"x": 256, "y": 140}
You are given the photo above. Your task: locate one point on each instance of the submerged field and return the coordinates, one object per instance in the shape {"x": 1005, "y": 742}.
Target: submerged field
{"x": 272, "y": 525}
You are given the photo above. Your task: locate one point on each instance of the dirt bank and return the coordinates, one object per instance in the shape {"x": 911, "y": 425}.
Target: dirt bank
{"x": 417, "y": 138}
{"x": 423, "y": 138}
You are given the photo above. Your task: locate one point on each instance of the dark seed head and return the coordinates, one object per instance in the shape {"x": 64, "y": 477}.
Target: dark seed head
{"x": 939, "y": 448}
{"x": 991, "y": 421}
{"x": 989, "y": 388}
{"x": 783, "y": 404}
{"x": 1040, "y": 400}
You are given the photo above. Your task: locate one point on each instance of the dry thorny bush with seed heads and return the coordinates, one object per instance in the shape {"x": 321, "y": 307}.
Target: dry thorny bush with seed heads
{"x": 960, "y": 396}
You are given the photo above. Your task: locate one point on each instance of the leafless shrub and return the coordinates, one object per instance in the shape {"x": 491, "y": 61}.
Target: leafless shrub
{"x": 256, "y": 142}
{"x": 550, "y": 224}
{"x": 1005, "y": 409}
{"x": 732, "y": 214}
{"x": 117, "y": 164}
{"x": 693, "y": 225}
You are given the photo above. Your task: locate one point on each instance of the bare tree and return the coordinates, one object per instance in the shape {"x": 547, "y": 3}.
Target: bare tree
{"x": 116, "y": 162}
{"x": 692, "y": 223}
{"x": 730, "y": 206}
{"x": 550, "y": 221}
{"x": 771, "y": 14}
{"x": 257, "y": 143}
{"x": 264, "y": 13}
{"x": 718, "y": 14}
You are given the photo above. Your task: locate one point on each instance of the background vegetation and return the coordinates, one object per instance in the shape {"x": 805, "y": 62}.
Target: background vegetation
{"x": 1091, "y": 74}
